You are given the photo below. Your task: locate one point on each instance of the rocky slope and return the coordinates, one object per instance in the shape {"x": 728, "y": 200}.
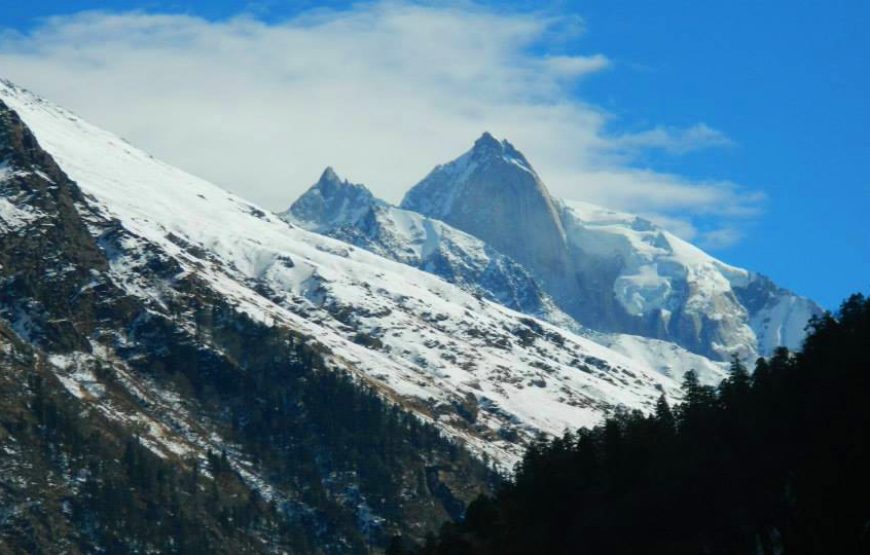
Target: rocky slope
{"x": 610, "y": 271}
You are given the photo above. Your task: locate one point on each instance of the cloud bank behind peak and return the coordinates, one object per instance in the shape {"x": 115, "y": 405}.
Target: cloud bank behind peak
{"x": 382, "y": 91}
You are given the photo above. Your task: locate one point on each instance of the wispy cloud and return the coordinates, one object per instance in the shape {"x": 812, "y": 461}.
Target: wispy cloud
{"x": 382, "y": 91}
{"x": 675, "y": 140}
{"x": 721, "y": 238}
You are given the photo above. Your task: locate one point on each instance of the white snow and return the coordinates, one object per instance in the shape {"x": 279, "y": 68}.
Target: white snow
{"x": 660, "y": 271}
{"x": 13, "y": 217}
{"x": 783, "y": 323}
{"x": 409, "y": 237}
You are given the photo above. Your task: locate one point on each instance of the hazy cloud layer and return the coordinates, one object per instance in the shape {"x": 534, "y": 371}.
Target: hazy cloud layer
{"x": 383, "y": 92}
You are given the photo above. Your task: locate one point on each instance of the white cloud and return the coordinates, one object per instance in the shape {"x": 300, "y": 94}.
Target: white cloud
{"x": 721, "y": 238}
{"x": 383, "y": 92}
{"x": 675, "y": 140}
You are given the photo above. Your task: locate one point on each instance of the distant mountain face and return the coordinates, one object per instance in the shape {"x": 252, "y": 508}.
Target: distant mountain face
{"x": 350, "y": 213}
{"x": 493, "y": 193}
{"x": 610, "y": 271}
{"x": 362, "y": 220}
{"x": 665, "y": 287}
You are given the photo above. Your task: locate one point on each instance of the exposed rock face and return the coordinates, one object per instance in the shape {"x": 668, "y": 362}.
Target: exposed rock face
{"x": 332, "y": 202}
{"x": 493, "y": 193}
{"x": 49, "y": 263}
{"x": 610, "y": 271}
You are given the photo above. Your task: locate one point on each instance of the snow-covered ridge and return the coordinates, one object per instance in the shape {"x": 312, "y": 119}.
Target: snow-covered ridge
{"x": 486, "y": 375}
{"x": 611, "y": 271}
{"x": 343, "y": 211}
{"x": 661, "y": 273}
{"x": 435, "y": 247}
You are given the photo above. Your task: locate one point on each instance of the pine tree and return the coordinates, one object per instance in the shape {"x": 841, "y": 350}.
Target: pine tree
{"x": 663, "y": 415}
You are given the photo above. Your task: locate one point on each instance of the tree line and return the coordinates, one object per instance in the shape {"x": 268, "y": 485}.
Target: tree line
{"x": 772, "y": 461}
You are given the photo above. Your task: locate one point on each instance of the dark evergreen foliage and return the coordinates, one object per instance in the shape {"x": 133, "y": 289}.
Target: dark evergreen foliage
{"x": 315, "y": 430}
{"x": 773, "y": 462}
{"x": 93, "y": 488}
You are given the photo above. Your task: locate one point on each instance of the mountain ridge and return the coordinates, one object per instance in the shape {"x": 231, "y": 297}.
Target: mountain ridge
{"x": 437, "y": 248}
{"x": 613, "y": 272}
{"x": 133, "y": 407}
{"x": 421, "y": 242}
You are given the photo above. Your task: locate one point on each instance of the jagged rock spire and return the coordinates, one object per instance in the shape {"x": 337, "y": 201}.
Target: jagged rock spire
{"x": 330, "y": 201}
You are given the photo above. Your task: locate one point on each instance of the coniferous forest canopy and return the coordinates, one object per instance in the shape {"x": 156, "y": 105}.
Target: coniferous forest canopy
{"x": 776, "y": 460}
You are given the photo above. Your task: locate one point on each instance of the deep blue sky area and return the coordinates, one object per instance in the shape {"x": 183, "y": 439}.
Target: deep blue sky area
{"x": 787, "y": 81}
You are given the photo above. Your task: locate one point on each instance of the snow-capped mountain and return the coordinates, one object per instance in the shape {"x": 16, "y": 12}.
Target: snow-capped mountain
{"x": 350, "y": 213}
{"x": 674, "y": 290}
{"x": 485, "y": 375}
{"x": 333, "y": 202}
{"x": 493, "y": 193}
{"x": 610, "y": 271}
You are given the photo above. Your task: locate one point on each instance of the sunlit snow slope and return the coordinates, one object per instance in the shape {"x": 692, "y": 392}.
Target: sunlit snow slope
{"x": 732, "y": 310}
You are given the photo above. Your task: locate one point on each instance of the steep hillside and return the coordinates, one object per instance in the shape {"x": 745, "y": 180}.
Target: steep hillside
{"x": 136, "y": 416}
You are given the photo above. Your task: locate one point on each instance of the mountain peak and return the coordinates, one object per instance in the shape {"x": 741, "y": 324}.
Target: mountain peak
{"x": 330, "y": 184}
{"x": 493, "y": 193}
{"x": 487, "y": 147}
{"x": 490, "y": 164}
{"x": 329, "y": 176}
{"x": 330, "y": 201}
{"x": 487, "y": 141}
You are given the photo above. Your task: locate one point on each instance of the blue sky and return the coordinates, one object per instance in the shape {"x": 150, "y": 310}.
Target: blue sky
{"x": 760, "y": 105}
{"x": 789, "y": 82}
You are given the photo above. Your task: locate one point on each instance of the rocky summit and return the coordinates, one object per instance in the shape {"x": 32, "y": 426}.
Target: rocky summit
{"x": 611, "y": 271}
